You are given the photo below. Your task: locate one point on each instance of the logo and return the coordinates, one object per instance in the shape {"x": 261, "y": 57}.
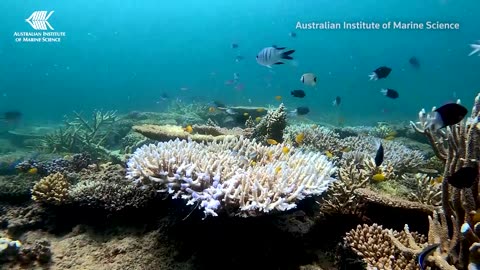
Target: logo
{"x": 39, "y": 20}
{"x": 43, "y": 33}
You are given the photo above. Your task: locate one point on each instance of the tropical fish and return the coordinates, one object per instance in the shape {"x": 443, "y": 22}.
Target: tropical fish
{"x": 299, "y": 138}
{"x": 414, "y": 62}
{"x": 272, "y": 141}
{"x": 309, "y": 79}
{"x": 278, "y": 98}
{"x": 380, "y": 73}
{"x": 32, "y": 171}
{"x": 390, "y": 93}
{"x": 447, "y": 115}
{"x": 379, "y": 155}
{"x": 257, "y": 119}
{"x": 188, "y": 129}
{"x": 301, "y": 110}
{"x": 464, "y": 177}
{"x": 328, "y": 154}
{"x": 211, "y": 109}
{"x": 379, "y": 177}
{"x": 337, "y": 101}
{"x": 273, "y": 56}
{"x": 292, "y": 34}
{"x": 11, "y": 116}
{"x": 285, "y": 150}
{"x": 424, "y": 253}
{"x": 298, "y": 93}
{"x": 234, "y": 45}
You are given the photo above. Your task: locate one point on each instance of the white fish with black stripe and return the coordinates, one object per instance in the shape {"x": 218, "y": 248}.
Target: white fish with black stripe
{"x": 273, "y": 56}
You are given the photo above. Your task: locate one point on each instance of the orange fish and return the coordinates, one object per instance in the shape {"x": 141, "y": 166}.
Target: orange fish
{"x": 278, "y": 98}
{"x": 188, "y": 129}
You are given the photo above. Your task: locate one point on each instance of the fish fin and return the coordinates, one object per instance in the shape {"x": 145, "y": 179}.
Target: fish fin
{"x": 279, "y": 63}
{"x": 286, "y": 55}
{"x": 278, "y": 48}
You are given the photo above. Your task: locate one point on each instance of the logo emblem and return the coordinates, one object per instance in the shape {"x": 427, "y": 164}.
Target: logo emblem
{"x": 39, "y": 20}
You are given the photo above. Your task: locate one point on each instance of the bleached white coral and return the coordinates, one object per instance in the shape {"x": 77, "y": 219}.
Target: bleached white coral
{"x": 236, "y": 173}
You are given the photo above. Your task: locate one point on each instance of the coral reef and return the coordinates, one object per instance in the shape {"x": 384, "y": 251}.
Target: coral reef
{"x": 240, "y": 175}
{"x": 375, "y": 246}
{"x": 74, "y": 163}
{"x": 169, "y": 132}
{"x": 106, "y": 188}
{"x": 16, "y": 188}
{"x": 314, "y": 138}
{"x": 271, "y": 126}
{"x": 51, "y": 190}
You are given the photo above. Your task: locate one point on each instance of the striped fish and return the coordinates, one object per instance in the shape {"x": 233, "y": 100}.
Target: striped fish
{"x": 273, "y": 56}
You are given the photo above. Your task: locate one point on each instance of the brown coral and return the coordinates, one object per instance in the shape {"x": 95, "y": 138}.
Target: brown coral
{"x": 52, "y": 189}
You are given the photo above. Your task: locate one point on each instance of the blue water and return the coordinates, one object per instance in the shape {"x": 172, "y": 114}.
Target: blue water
{"x": 123, "y": 55}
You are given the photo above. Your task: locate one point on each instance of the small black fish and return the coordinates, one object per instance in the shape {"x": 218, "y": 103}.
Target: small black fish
{"x": 234, "y": 45}
{"x": 302, "y": 110}
{"x": 219, "y": 104}
{"x": 337, "y": 101}
{"x": 11, "y": 116}
{"x": 298, "y": 93}
{"x": 447, "y": 115}
{"x": 292, "y": 34}
{"x": 424, "y": 253}
{"x": 463, "y": 178}
{"x": 380, "y": 73}
{"x": 414, "y": 62}
{"x": 390, "y": 93}
{"x": 379, "y": 155}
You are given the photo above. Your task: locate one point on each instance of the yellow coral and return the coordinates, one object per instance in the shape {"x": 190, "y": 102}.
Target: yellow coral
{"x": 52, "y": 189}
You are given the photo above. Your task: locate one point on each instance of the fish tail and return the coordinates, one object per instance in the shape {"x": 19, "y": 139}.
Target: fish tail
{"x": 286, "y": 55}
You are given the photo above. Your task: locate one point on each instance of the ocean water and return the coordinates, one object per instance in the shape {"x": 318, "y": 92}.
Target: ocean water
{"x": 122, "y": 55}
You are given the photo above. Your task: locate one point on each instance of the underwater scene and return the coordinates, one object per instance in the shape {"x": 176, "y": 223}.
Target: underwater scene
{"x": 283, "y": 135}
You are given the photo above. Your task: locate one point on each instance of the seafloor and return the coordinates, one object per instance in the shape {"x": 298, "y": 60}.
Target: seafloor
{"x": 207, "y": 187}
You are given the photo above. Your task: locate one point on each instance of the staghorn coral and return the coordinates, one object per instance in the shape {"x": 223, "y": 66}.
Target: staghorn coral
{"x": 51, "y": 190}
{"x": 382, "y": 130}
{"x": 239, "y": 175}
{"x": 457, "y": 146}
{"x": 374, "y": 245}
{"x": 315, "y": 137}
{"x": 425, "y": 188}
{"x": 401, "y": 158}
{"x": 271, "y": 126}
{"x": 106, "y": 188}
{"x": 355, "y": 171}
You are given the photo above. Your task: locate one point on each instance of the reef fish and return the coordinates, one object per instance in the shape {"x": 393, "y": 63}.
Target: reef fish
{"x": 379, "y": 155}
{"x": 414, "y": 62}
{"x": 464, "y": 177}
{"x": 309, "y": 79}
{"x": 301, "y": 110}
{"x": 11, "y": 116}
{"x": 390, "y": 93}
{"x": 447, "y": 115}
{"x": 424, "y": 253}
{"x": 298, "y": 93}
{"x": 337, "y": 101}
{"x": 273, "y": 56}
{"x": 380, "y": 73}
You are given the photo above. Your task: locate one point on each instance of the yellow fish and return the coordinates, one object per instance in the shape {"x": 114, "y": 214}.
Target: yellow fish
{"x": 379, "y": 177}
{"x": 269, "y": 155}
{"x": 389, "y": 138}
{"x": 346, "y": 149}
{"x": 260, "y": 110}
{"x": 257, "y": 119}
{"x": 328, "y": 154}
{"x": 278, "y": 98}
{"x": 285, "y": 150}
{"x": 272, "y": 142}
{"x": 211, "y": 109}
{"x": 392, "y": 133}
{"x": 314, "y": 126}
{"x": 277, "y": 170}
{"x": 299, "y": 138}
{"x": 32, "y": 171}
{"x": 436, "y": 180}
{"x": 188, "y": 129}
{"x": 253, "y": 163}
{"x": 245, "y": 114}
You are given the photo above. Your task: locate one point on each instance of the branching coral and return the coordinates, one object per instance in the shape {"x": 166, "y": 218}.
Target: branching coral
{"x": 271, "y": 126}
{"x": 240, "y": 175}
{"x": 314, "y": 137}
{"x": 51, "y": 190}
{"x": 355, "y": 171}
{"x": 426, "y": 189}
{"x": 400, "y": 157}
{"x": 374, "y": 245}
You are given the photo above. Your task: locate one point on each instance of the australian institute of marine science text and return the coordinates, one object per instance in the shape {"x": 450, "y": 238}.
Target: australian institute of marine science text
{"x": 394, "y": 25}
